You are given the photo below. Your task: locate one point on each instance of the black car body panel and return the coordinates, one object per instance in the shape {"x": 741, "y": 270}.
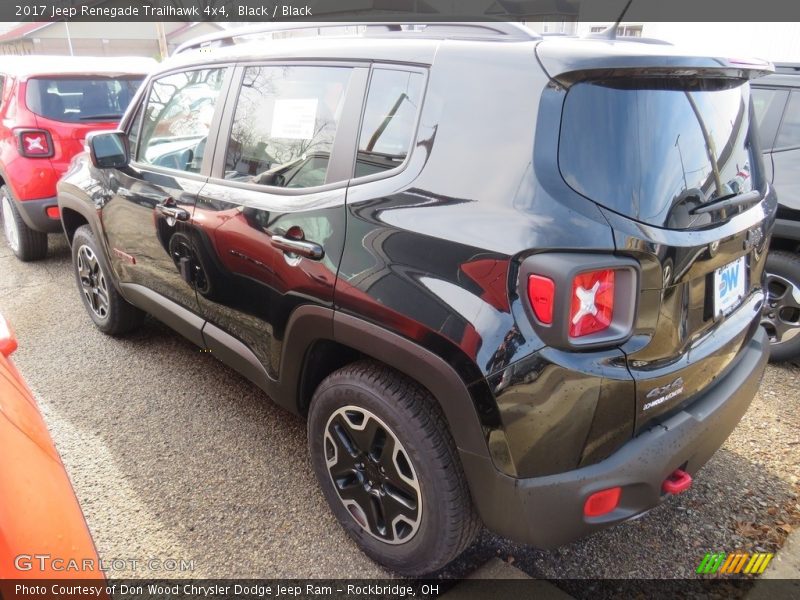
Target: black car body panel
{"x": 418, "y": 260}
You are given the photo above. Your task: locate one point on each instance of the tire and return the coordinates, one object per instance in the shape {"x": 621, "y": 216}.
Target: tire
{"x": 109, "y": 311}
{"x": 420, "y": 512}
{"x": 781, "y": 316}
{"x": 26, "y": 244}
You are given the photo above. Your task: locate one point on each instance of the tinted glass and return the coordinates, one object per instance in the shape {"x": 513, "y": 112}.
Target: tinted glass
{"x": 178, "y": 118}
{"x": 389, "y": 120}
{"x": 285, "y": 124}
{"x": 767, "y": 107}
{"x": 81, "y": 99}
{"x": 789, "y": 131}
{"x": 654, "y": 152}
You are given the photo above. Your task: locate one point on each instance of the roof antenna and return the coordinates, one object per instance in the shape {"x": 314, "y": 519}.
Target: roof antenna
{"x": 610, "y": 33}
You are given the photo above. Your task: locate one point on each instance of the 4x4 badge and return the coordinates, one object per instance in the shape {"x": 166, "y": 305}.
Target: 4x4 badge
{"x": 663, "y": 393}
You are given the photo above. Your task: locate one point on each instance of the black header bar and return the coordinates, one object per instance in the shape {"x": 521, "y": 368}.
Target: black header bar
{"x": 398, "y": 10}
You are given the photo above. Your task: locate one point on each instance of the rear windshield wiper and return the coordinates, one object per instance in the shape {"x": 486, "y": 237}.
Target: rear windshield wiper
{"x": 727, "y": 202}
{"x": 109, "y": 116}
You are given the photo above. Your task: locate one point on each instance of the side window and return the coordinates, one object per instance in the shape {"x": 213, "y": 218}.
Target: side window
{"x": 768, "y": 106}
{"x": 789, "y": 131}
{"x": 284, "y": 126}
{"x": 178, "y": 118}
{"x": 390, "y": 116}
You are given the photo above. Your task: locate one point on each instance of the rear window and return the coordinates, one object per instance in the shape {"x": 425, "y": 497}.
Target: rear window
{"x": 652, "y": 151}
{"x": 81, "y": 99}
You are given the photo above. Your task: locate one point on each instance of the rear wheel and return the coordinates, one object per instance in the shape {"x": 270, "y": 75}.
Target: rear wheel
{"x": 25, "y": 243}
{"x": 781, "y": 316}
{"x": 389, "y": 469}
{"x": 109, "y": 311}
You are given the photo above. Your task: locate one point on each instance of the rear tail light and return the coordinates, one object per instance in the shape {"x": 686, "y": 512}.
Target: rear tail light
{"x": 580, "y": 300}
{"x": 8, "y": 341}
{"x": 592, "y": 304}
{"x": 53, "y": 212}
{"x": 34, "y": 143}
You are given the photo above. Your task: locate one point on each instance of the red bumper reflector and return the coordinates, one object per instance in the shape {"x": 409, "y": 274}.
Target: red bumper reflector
{"x": 602, "y": 502}
{"x": 542, "y": 292}
{"x": 677, "y": 482}
{"x": 53, "y": 212}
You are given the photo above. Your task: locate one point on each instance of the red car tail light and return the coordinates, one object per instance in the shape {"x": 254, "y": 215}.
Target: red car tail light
{"x": 592, "y": 306}
{"x": 34, "y": 143}
{"x": 602, "y": 502}
{"x": 542, "y": 293}
{"x": 578, "y": 301}
{"x": 8, "y": 341}
{"x": 53, "y": 212}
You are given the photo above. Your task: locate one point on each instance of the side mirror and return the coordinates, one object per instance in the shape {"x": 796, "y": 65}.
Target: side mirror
{"x": 108, "y": 149}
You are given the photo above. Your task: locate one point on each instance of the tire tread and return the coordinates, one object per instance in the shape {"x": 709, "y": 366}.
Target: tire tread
{"x": 424, "y": 413}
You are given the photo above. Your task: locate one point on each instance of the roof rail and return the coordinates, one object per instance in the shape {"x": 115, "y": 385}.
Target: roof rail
{"x": 784, "y": 67}
{"x": 502, "y": 29}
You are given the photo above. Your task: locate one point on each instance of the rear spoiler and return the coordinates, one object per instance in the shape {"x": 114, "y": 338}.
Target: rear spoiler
{"x": 568, "y": 61}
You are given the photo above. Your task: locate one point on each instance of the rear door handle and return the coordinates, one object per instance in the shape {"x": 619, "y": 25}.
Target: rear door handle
{"x": 174, "y": 212}
{"x": 303, "y": 248}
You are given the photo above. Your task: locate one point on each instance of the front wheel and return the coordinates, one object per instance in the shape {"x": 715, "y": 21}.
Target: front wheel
{"x": 109, "y": 311}
{"x": 781, "y": 316}
{"x": 389, "y": 469}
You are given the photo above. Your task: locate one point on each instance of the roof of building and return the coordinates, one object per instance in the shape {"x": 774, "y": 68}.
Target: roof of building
{"x": 23, "y": 30}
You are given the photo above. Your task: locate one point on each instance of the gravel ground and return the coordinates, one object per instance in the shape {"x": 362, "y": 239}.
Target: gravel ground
{"x": 173, "y": 455}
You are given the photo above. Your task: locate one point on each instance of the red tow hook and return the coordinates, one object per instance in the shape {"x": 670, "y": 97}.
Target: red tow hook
{"x": 677, "y": 482}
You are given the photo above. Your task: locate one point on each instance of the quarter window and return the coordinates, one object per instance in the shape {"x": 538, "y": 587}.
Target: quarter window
{"x": 789, "y": 132}
{"x": 178, "y": 118}
{"x": 768, "y": 105}
{"x": 390, "y": 116}
{"x": 285, "y": 124}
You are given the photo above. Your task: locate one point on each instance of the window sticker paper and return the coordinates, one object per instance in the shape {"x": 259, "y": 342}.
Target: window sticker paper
{"x": 294, "y": 118}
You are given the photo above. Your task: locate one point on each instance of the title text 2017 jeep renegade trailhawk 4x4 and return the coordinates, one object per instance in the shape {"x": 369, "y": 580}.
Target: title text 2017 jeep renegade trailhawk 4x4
{"x": 507, "y": 279}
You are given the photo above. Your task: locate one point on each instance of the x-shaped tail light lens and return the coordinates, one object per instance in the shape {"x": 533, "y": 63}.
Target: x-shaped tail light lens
{"x": 35, "y": 143}
{"x": 592, "y": 306}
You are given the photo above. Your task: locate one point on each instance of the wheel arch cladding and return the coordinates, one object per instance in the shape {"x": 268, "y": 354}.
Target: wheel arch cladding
{"x": 71, "y": 220}
{"x": 315, "y": 331}
{"x": 424, "y": 367}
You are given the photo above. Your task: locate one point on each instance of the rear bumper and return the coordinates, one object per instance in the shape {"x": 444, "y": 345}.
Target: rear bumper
{"x": 548, "y": 511}
{"x": 34, "y": 213}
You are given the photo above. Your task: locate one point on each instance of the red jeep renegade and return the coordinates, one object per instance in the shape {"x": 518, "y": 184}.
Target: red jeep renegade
{"x": 47, "y": 106}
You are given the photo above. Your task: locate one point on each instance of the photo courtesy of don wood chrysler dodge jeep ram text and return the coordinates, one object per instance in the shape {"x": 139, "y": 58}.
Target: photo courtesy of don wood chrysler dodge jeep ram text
{"x": 509, "y": 280}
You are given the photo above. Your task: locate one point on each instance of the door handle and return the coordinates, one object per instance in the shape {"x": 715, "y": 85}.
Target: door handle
{"x": 304, "y": 248}
{"x": 173, "y": 212}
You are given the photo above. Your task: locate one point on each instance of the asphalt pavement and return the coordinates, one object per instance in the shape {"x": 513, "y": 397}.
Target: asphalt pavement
{"x": 177, "y": 458}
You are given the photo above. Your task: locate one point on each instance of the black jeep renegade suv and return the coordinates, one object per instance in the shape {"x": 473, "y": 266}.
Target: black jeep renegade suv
{"x": 509, "y": 280}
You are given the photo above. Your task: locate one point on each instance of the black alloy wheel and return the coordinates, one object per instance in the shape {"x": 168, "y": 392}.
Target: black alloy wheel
{"x": 373, "y": 474}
